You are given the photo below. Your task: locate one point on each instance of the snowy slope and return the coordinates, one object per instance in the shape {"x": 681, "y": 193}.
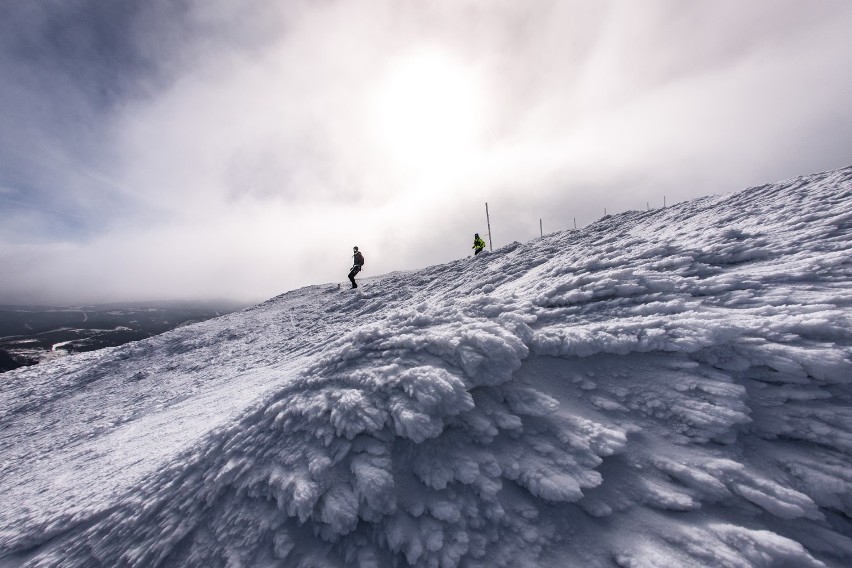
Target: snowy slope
{"x": 662, "y": 388}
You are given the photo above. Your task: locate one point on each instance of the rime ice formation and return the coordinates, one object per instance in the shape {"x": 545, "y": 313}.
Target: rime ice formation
{"x": 661, "y": 388}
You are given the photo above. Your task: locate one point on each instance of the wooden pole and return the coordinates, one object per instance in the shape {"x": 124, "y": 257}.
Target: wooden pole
{"x": 575, "y": 222}
{"x": 540, "y": 228}
{"x": 488, "y": 218}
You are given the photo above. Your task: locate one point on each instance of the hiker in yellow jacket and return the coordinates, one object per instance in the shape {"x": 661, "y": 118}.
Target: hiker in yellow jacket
{"x": 478, "y": 244}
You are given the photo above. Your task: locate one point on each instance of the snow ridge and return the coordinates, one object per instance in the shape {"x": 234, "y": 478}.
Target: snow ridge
{"x": 662, "y": 388}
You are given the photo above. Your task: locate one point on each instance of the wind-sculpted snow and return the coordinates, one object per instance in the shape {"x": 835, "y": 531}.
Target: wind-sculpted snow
{"x": 662, "y": 388}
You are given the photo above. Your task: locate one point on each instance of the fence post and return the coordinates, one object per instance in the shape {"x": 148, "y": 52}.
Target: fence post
{"x": 488, "y": 218}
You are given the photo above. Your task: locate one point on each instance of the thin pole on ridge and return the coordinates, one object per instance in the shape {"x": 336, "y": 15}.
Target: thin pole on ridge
{"x": 540, "y": 228}
{"x": 488, "y": 218}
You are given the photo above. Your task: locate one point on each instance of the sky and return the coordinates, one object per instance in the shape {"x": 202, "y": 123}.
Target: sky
{"x": 190, "y": 149}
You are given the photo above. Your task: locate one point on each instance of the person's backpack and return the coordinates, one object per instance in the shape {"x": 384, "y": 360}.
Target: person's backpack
{"x": 359, "y": 258}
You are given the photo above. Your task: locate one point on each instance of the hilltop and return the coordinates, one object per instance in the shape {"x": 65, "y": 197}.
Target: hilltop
{"x": 661, "y": 388}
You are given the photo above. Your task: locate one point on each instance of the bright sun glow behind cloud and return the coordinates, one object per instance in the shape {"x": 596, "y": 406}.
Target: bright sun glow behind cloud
{"x": 429, "y": 112}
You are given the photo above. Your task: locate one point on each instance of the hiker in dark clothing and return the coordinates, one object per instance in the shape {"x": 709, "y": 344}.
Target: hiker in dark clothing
{"x": 478, "y": 244}
{"x": 358, "y": 260}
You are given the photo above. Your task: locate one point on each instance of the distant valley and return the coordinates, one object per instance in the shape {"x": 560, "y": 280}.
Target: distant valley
{"x": 32, "y": 334}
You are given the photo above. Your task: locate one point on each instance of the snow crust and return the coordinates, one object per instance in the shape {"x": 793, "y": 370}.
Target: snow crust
{"x": 662, "y": 388}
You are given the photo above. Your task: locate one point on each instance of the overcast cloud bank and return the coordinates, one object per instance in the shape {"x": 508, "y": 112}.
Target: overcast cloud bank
{"x": 218, "y": 149}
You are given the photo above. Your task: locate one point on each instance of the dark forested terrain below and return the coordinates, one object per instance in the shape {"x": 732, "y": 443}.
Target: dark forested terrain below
{"x": 30, "y": 334}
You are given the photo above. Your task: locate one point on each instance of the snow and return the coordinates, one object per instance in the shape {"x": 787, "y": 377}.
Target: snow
{"x": 661, "y": 388}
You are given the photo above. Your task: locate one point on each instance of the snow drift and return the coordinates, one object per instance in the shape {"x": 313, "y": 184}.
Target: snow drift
{"x": 661, "y": 388}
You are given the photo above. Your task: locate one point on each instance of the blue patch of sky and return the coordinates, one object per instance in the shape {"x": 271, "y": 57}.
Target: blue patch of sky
{"x": 26, "y": 217}
{"x": 42, "y": 214}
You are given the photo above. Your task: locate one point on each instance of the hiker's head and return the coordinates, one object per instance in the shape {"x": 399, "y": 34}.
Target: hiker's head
{"x": 354, "y": 249}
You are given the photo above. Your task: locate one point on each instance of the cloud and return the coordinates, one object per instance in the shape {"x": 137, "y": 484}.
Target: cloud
{"x": 161, "y": 149}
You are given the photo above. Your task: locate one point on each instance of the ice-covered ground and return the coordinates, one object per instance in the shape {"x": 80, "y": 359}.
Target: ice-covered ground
{"x": 662, "y": 388}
